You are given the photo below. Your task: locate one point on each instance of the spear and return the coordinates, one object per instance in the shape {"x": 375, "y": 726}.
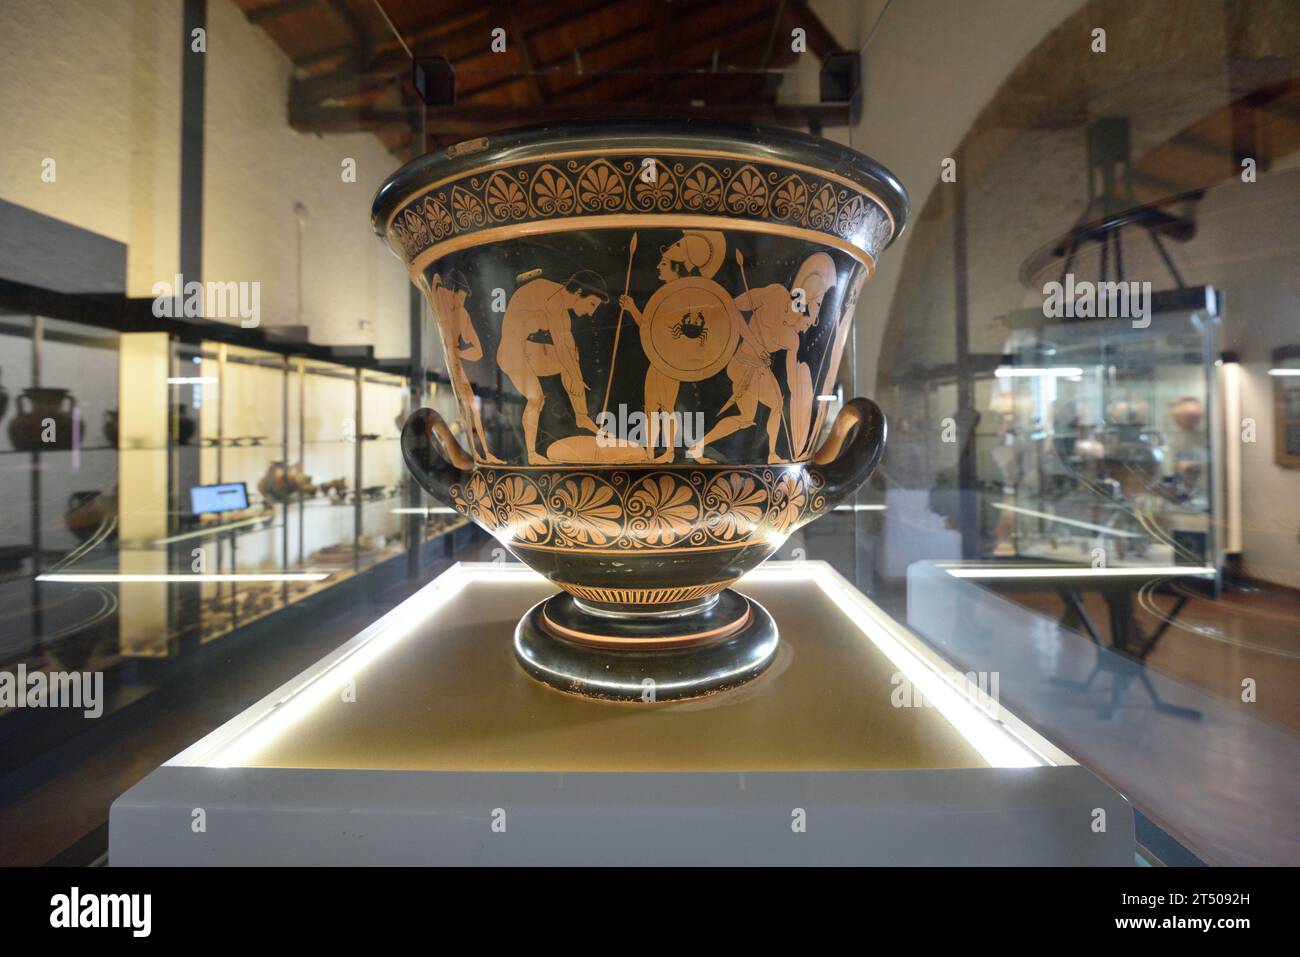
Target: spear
{"x": 618, "y": 328}
{"x": 740, "y": 261}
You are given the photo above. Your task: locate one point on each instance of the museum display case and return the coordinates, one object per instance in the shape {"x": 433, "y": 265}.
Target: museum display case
{"x": 1106, "y": 443}
{"x": 60, "y": 496}
{"x": 1286, "y": 405}
{"x": 306, "y": 439}
{"x": 111, "y": 555}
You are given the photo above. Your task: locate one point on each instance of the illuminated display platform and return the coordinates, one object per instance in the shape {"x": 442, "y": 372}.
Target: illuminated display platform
{"x": 422, "y": 741}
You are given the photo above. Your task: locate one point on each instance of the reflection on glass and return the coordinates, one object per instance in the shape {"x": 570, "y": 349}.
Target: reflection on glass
{"x": 1101, "y": 458}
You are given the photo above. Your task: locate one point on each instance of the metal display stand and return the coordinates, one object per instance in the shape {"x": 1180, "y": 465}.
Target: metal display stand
{"x": 420, "y": 741}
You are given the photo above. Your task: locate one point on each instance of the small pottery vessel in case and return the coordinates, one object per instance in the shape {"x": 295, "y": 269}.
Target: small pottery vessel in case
{"x": 283, "y": 482}
{"x": 40, "y": 409}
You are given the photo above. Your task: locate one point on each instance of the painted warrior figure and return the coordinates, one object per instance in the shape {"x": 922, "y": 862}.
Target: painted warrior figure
{"x": 463, "y": 345}
{"x": 537, "y": 341}
{"x": 775, "y": 324}
{"x": 843, "y": 326}
{"x": 697, "y": 253}
{"x": 815, "y": 277}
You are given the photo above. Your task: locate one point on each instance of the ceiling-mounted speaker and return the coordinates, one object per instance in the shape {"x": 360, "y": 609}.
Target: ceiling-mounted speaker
{"x": 839, "y": 76}
{"x": 434, "y": 79}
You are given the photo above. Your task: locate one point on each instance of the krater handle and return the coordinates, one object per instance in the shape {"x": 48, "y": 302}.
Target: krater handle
{"x": 851, "y": 452}
{"x": 434, "y": 456}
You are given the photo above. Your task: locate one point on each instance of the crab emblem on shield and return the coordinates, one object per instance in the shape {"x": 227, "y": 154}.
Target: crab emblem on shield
{"x": 691, "y": 328}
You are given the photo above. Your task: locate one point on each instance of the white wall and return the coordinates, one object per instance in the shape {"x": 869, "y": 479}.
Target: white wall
{"x": 914, "y": 114}
{"x": 256, "y": 168}
{"x": 849, "y": 22}
{"x": 1246, "y": 246}
{"x": 96, "y": 87}
{"x": 1270, "y": 508}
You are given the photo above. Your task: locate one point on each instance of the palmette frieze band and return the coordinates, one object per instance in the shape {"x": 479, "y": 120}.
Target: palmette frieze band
{"x": 661, "y": 183}
{"x": 641, "y": 509}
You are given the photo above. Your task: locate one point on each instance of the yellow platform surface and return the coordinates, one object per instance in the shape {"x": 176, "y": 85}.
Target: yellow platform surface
{"x": 448, "y": 696}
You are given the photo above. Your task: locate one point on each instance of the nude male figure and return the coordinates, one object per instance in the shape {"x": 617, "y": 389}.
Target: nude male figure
{"x": 537, "y": 341}
{"x": 462, "y": 345}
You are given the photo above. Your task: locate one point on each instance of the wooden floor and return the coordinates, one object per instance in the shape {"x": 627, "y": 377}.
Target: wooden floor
{"x": 1216, "y": 644}
{"x": 1225, "y": 783}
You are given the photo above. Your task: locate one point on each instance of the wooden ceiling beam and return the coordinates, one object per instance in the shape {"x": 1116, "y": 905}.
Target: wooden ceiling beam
{"x": 342, "y": 83}
{"x": 728, "y": 38}
{"x": 556, "y": 65}
{"x": 451, "y": 19}
{"x": 695, "y": 89}
{"x": 520, "y": 37}
{"x": 1189, "y": 140}
{"x": 474, "y": 31}
{"x": 535, "y": 25}
{"x": 777, "y": 19}
{"x": 349, "y": 25}
{"x": 663, "y": 27}
{"x": 1283, "y": 108}
{"x": 388, "y": 62}
{"x": 618, "y": 46}
{"x": 1164, "y": 188}
{"x": 469, "y": 118}
{"x": 273, "y": 11}
{"x": 534, "y": 19}
{"x": 475, "y": 27}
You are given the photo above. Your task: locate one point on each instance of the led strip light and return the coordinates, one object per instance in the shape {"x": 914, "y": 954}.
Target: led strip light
{"x": 103, "y": 578}
{"x": 1054, "y": 571}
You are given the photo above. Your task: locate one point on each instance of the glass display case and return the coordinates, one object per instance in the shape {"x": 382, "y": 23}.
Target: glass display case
{"x": 108, "y": 555}
{"x": 1102, "y": 442}
{"x": 59, "y": 454}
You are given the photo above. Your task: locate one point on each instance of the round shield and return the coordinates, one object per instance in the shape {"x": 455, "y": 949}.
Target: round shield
{"x": 690, "y": 328}
{"x": 815, "y": 277}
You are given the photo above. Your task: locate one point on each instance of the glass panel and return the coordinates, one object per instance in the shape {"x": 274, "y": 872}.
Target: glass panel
{"x": 383, "y": 399}
{"x": 1103, "y": 443}
{"x": 1072, "y": 344}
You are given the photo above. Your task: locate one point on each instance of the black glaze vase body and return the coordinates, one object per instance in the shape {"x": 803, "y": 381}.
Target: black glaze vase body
{"x": 642, "y": 324}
